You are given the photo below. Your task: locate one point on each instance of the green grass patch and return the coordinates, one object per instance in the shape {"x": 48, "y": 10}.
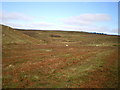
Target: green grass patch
{"x": 79, "y": 73}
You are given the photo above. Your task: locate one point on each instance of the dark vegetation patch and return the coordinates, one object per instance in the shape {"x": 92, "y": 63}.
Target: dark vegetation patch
{"x": 55, "y": 36}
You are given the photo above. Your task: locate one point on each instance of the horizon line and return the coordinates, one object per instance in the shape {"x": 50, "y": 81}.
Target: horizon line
{"x": 100, "y": 33}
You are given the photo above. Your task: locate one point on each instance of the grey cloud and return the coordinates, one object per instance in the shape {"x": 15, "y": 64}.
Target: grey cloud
{"x": 15, "y": 16}
{"x": 86, "y": 19}
{"x": 34, "y": 25}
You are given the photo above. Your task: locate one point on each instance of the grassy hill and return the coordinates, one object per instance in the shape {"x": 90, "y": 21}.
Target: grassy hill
{"x": 12, "y": 36}
{"x": 58, "y": 59}
{"x": 72, "y": 38}
{"x": 17, "y": 36}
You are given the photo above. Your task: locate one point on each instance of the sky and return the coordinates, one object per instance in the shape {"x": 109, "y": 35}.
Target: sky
{"x": 100, "y": 17}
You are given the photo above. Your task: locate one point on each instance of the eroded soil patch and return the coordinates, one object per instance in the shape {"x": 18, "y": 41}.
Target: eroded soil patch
{"x": 55, "y": 66}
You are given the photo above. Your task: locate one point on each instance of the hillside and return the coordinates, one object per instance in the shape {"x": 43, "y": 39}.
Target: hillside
{"x": 58, "y": 59}
{"x": 72, "y": 38}
{"x": 16, "y": 36}
{"x": 12, "y": 36}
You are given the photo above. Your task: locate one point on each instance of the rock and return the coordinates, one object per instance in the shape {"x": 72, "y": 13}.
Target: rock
{"x": 97, "y": 45}
{"x": 66, "y": 45}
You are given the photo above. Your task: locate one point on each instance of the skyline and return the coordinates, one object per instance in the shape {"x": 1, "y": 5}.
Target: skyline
{"x": 100, "y": 17}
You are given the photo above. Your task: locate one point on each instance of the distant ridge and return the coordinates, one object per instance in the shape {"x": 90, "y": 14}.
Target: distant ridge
{"x": 65, "y": 31}
{"x": 25, "y": 36}
{"x": 61, "y": 31}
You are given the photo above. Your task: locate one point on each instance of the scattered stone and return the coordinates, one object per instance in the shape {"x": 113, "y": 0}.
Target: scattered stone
{"x": 66, "y": 45}
{"x": 48, "y": 50}
{"x": 3, "y": 35}
{"x": 10, "y": 66}
{"x": 25, "y": 76}
{"x": 36, "y": 77}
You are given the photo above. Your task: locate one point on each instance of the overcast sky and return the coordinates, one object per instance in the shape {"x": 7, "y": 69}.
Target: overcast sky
{"x": 75, "y": 16}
